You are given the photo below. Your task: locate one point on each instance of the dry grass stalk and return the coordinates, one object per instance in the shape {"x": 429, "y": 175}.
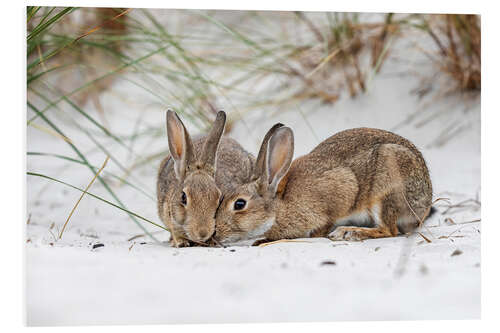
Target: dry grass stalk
{"x": 93, "y": 61}
{"x": 458, "y": 39}
{"x": 50, "y": 132}
{"x": 463, "y": 204}
{"x": 81, "y": 196}
{"x": 347, "y": 42}
{"x": 143, "y": 235}
{"x": 283, "y": 241}
{"x": 106, "y": 23}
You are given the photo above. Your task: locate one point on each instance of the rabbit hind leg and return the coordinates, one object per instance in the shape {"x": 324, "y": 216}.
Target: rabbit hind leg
{"x": 385, "y": 217}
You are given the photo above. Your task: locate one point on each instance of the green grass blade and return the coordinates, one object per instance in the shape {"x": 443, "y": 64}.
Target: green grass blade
{"x": 131, "y": 63}
{"x": 105, "y": 151}
{"x": 97, "y": 197}
{"x": 107, "y": 173}
{"x": 36, "y": 76}
{"x": 32, "y": 10}
{"x": 96, "y": 123}
{"x": 77, "y": 151}
{"x": 45, "y": 25}
{"x": 233, "y": 32}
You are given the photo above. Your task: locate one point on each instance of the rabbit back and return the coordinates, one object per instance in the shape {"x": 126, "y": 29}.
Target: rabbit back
{"x": 359, "y": 171}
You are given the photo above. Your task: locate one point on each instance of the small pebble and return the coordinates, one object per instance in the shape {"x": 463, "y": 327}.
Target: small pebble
{"x": 457, "y": 252}
{"x": 328, "y": 262}
{"x": 95, "y": 246}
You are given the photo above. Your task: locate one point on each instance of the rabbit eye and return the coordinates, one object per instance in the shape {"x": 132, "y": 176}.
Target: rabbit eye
{"x": 239, "y": 204}
{"x": 183, "y": 198}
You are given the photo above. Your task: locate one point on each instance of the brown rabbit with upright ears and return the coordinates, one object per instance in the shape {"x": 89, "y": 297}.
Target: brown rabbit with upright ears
{"x": 193, "y": 178}
{"x": 358, "y": 184}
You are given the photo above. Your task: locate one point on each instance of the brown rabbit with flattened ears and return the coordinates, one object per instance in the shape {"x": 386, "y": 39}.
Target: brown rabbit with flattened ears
{"x": 192, "y": 179}
{"x": 358, "y": 184}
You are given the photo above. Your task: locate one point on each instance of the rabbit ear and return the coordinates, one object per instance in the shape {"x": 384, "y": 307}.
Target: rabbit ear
{"x": 209, "y": 152}
{"x": 260, "y": 164}
{"x": 279, "y": 157}
{"x": 179, "y": 143}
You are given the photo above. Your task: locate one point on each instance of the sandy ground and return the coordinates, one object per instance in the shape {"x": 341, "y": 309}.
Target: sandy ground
{"x": 69, "y": 282}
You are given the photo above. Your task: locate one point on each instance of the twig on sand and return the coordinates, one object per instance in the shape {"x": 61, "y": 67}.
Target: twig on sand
{"x": 458, "y": 230}
{"x": 454, "y": 223}
{"x": 142, "y": 235}
{"x": 283, "y": 241}
{"x": 463, "y": 204}
{"x": 81, "y": 196}
{"x": 420, "y": 219}
{"x": 425, "y": 238}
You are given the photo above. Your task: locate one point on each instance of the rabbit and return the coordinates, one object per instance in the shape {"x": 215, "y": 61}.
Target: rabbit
{"x": 193, "y": 177}
{"x": 358, "y": 184}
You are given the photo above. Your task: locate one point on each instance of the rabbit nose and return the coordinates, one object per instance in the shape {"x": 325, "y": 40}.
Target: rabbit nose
{"x": 200, "y": 236}
{"x": 203, "y": 234}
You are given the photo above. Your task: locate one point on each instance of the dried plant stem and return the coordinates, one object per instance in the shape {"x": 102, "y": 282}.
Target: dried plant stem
{"x": 143, "y": 235}
{"x": 323, "y": 62}
{"x": 463, "y": 204}
{"x": 50, "y": 132}
{"x": 284, "y": 241}
{"x": 100, "y": 26}
{"x": 81, "y": 196}
{"x": 311, "y": 26}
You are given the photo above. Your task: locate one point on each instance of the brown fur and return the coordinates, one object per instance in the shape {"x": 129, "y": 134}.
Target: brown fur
{"x": 354, "y": 171}
{"x": 205, "y": 178}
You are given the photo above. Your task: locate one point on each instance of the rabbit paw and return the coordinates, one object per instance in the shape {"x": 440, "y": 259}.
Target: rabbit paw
{"x": 345, "y": 233}
{"x": 180, "y": 242}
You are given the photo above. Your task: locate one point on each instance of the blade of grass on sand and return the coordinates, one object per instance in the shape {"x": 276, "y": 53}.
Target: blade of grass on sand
{"x": 106, "y": 186}
{"x": 43, "y": 26}
{"x": 69, "y": 42}
{"x": 98, "y": 198}
{"x": 81, "y": 196}
{"x": 108, "y": 153}
{"x": 90, "y": 136}
{"x": 50, "y": 132}
{"x": 86, "y": 85}
{"x": 96, "y": 123}
{"x": 33, "y": 77}
{"x": 107, "y": 173}
{"x": 32, "y": 10}
{"x": 91, "y": 31}
{"x": 255, "y": 46}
